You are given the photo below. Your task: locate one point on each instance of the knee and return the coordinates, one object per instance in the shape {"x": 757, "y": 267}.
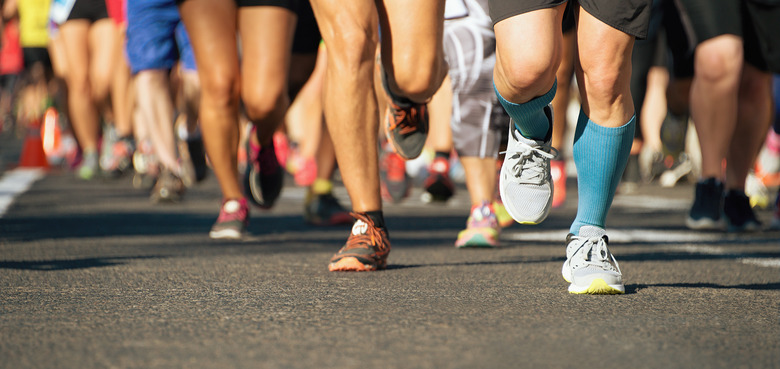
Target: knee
{"x": 719, "y": 59}
{"x": 263, "y": 103}
{"x": 351, "y": 49}
{"x": 419, "y": 77}
{"x": 220, "y": 89}
{"x": 527, "y": 78}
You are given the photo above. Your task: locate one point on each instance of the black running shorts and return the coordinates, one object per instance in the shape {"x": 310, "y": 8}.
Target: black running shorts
{"x": 91, "y": 10}
{"x": 629, "y": 16}
{"x": 757, "y": 22}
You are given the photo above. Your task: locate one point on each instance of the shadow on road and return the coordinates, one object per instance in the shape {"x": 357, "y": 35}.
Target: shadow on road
{"x": 69, "y": 264}
{"x": 634, "y": 288}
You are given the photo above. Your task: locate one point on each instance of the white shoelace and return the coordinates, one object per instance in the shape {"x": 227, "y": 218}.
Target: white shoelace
{"x": 529, "y": 162}
{"x": 600, "y": 256}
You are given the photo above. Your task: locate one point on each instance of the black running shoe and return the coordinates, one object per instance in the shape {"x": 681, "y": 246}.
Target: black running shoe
{"x": 263, "y": 177}
{"x": 438, "y": 186}
{"x": 738, "y": 213}
{"x": 197, "y": 154}
{"x": 707, "y": 206}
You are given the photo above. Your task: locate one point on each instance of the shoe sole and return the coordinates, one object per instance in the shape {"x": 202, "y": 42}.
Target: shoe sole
{"x": 704, "y": 224}
{"x": 224, "y": 234}
{"x": 352, "y": 264}
{"x": 597, "y": 287}
{"x": 475, "y": 239}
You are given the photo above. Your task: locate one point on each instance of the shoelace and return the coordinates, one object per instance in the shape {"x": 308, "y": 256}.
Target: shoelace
{"x": 596, "y": 253}
{"x": 225, "y": 216}
{"x": 400, "y": 115}
{"x": 372, "y": 235}
{"x": 529, "y": 162}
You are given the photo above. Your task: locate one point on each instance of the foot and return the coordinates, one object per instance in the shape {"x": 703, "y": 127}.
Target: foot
{"x": 324, "y": 210}
{"x": 263, "y": 177}
{"x": 438, "y": 186}
{"x": 589, "y": 266}
{"x": 367, "y": 248}
{"x": 525, "y": 181}
{"x": 738, "y": 214}
{"x": 707, "y": 206}
{"x": 169, "y": 188}
{"x": 482, "y": 228}
{"x": 232, "y": 221}
{"x": 395, "y": 183}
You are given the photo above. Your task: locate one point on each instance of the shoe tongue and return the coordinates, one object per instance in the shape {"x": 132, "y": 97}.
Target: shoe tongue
{"x": 360, "y": 227}
{"x": 592, "y": 231}
{"x": 439, "y": 166}
{"x": 231, "y": 206}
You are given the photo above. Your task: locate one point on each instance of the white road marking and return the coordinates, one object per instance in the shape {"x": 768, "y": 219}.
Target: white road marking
{"x": 16, "y": 182}
{"x": 678, "y": 241}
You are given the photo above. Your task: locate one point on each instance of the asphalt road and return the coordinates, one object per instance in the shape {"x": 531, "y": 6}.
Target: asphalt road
{"x": 94, "y": 276}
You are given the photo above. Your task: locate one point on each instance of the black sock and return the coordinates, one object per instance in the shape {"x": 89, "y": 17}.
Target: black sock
{"x": 377, "y": 217}
{"x": 442, "y": 154}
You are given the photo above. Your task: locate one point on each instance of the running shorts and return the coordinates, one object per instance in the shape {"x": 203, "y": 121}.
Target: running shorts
{"x": 156, "y": 37}
{"x": 629, "y": 16}
{"x": 307, "y": 33}
{"x": 469, "y": 48}
{"x": 757, "y": 22}
{"x": 91, "y": 10}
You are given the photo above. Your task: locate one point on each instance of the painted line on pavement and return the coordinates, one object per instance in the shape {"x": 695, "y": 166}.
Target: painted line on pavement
{"x": 16, "y": 182}
{"x": 682, "y": 238}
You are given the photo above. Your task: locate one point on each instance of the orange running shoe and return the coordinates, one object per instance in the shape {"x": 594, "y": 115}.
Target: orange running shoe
{"x": 558, "y": 172}
{"x": 406, "y": 128}
{"x": 367, "y": 248}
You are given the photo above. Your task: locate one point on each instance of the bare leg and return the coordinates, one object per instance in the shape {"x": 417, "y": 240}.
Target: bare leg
{"x": 211, "y": 26}
{"x": 718, "y": 63}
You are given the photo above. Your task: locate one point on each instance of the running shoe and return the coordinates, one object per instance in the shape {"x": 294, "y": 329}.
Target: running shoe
{"x": 169, "y": 188}
{"x": 197, "y": 155}
{"x": 651, "y": 164}
{"x": 395, "y": 183}
{"x": 558, "y": 173}
{"x": 481, "y": 228}
{"x": 504, "y": 219}
{"x": 679, "y": 168}
{"x": 120, "y": 160}
{"x": 232, "y": 221}
{"x": 590, "y": 267}
{"x": 90, "y": 166}
{"x": 263, "y": 177}
{"x": 707, "y": 206}
{"x": 367, "y": 248}
{"x": 406, "y": 122}
{"x": 674, "y": 130}
{"x": 282, "y": 148}
{"x": 738, "y": 213}
{"x": 525, "y": 182}
{"x": 147, "y": 167}
{"x": 303, "y": 169}
{"x": 324, "y": 210}
{"x": 438, "y": 186}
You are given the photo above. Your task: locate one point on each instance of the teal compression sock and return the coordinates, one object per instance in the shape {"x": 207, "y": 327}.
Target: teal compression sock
{"x": 529, "y": 117}
{"x": 600, "y": 155}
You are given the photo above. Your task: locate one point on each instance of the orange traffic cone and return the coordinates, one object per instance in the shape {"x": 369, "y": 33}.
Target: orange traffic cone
{"x": 33, "y": 155}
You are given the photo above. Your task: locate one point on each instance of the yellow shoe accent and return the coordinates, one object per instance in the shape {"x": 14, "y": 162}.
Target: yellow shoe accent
{"x": 599, "y": 287}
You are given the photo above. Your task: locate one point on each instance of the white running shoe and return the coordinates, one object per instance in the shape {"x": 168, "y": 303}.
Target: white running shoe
{"x": 590, "y": 267}
{"x": 525, "y": 182}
